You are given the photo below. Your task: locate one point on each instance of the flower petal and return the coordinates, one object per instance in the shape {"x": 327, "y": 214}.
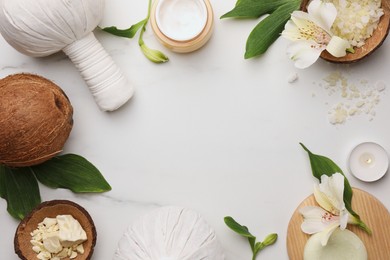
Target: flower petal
{"x": 323, "y": 14}
{"x": 338, "y": 46}
{"x": 316, "y": 219}
{"x": 304, "y": 53}
{"x": 333, "y": 188}
{"x": 344, "y": 217}
{"x": 300, "y": 16}
{"x": 324, "y": 201}
{"x": 328, "y": 232}
{"x": 291, "y": 31}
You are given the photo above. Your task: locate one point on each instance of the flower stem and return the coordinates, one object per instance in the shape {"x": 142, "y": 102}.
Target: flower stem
{"x": 364, "y": 227}
{"x": 155, "y": 56}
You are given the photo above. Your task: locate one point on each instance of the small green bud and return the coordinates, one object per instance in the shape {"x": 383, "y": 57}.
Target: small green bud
{"x": 350, "y": 50}
{"x": 270, "y": 239}
{"x": 155, "y": 56}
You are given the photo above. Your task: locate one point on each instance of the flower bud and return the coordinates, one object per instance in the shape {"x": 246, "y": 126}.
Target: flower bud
{"x": 270, "y": 239}
{"x": 155, "y": 56}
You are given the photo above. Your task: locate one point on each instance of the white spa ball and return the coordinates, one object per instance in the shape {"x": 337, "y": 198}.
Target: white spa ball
{"x": 169, "y": 233}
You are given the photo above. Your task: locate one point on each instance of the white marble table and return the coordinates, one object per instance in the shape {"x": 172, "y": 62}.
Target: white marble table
{"x": 208, "y": 131}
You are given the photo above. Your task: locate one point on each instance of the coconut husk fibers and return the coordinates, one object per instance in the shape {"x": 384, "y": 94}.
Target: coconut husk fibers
{"x": 35, "y": 120}
{"x": 51, "y": 209}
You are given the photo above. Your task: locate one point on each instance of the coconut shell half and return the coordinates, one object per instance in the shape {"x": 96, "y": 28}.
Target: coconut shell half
{"x": 35, "y": 120}
{"x": 51, "y": 209}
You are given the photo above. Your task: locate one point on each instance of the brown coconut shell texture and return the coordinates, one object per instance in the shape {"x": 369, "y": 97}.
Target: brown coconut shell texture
{"x": 35, "y": 120}
{"x": 51, "y": 209}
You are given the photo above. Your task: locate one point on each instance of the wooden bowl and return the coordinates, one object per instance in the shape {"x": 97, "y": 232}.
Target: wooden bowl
{"x": 51, "y": 209}
{"x": 371, "y": 44}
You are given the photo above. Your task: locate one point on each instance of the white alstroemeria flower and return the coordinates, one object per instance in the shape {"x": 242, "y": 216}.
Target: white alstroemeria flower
{"x": 310, "y": 33}
{"x": 329, "y": 195}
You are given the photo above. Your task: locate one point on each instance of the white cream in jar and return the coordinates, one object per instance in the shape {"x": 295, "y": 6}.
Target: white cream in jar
{"x": 181, "y": 20}
{"x": 182, "y": 25}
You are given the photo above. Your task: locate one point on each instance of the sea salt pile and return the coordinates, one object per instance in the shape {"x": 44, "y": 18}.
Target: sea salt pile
{"x": 356, "y": 19}
{"x": 356, "y": 97}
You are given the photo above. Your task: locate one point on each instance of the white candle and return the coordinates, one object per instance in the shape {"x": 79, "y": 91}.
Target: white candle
{"x": 368, "y": 161}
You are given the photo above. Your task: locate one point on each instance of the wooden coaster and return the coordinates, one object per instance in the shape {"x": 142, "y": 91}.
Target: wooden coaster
{"x": 370, "y": 210}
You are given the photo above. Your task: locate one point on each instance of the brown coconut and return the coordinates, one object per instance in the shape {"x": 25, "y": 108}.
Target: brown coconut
{"x": 35, "y": 120}
{"x": 51, "y": 209}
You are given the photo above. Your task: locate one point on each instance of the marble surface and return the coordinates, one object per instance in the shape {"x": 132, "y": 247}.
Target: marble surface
{"x": 208, "y": 131}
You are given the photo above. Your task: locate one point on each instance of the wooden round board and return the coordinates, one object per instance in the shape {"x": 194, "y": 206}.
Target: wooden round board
{"x": 370, "y": 210}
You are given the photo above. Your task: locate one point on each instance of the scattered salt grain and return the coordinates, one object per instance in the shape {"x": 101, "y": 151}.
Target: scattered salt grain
{"x": 292, "y": 77}
{"x": 356, "y": 97}
{"x": 338, "y": 115}
{"x": 380, "y": 86}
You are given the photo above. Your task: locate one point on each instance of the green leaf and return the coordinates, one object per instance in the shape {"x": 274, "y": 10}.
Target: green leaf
{"x": 239, "y": 229}
{"x": 20, "y": 189}
{"x": 72, "y": 172}
{"x": 127, "y": 33}
{"x": 269, "y": 29}
{"x": 253, "y": 8}
{"x": 321, "y": 165}
{"x": 252, "y": 242}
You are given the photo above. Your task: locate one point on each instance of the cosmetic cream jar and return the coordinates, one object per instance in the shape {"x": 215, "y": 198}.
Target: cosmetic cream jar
{"x": 182, "y": 25}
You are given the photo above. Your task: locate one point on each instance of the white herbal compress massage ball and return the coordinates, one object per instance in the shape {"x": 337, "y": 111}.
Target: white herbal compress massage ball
{"x": 42, "y": 27}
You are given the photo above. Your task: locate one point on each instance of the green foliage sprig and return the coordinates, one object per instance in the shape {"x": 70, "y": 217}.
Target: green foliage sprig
{"x": 244, "y": 231}
{"x": 155, "y": 56}
{"x": 19, "y": 186}
{"x": 268, "y": 29}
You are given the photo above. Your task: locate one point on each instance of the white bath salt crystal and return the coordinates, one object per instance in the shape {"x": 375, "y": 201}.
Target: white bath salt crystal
{"x": 38, "y": 237}
{"x": 37, "y": 249}
{"x": 338, "y": 115}
{"x": 36, "y": 243}
{"x": 80, "y": 249}
{"x": 292, "y": 77}
{"x": 380, "y": 86}
{"x": 44, "y": 256}
{"x": 63, "y": 253}
{"x": 360, "y": 104}
{"x": 352, "y": 111}
{"x": 48, "y": 222}
{"x": 73, "y": 255}
{"x": 71, "y": 232}
{"x": 49, "y": 235}
{"x": 35, "y": 232}
{"x": 52, "y": 244}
